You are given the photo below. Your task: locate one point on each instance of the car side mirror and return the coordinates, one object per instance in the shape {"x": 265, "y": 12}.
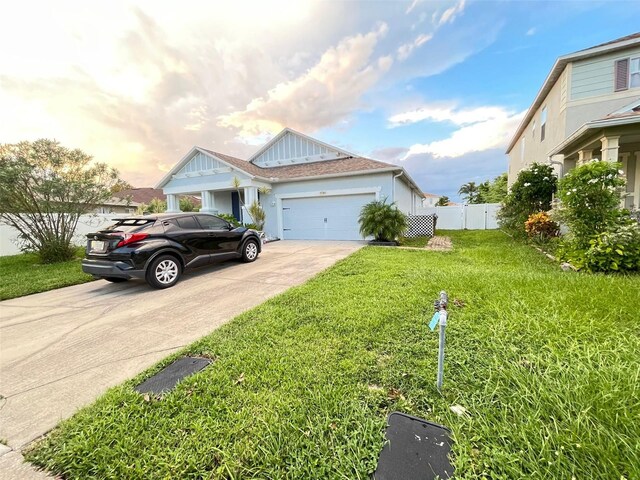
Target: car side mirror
{"x": 230, "y": 227}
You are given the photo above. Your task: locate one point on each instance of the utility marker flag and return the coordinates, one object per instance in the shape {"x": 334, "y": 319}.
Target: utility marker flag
{"x": 434, "y": 321}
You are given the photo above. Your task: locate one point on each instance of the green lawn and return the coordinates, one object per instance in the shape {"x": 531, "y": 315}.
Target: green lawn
{"x": 545, "y": 362}
{"x": 23, "y": 275}
{"x": 417, "y": 242}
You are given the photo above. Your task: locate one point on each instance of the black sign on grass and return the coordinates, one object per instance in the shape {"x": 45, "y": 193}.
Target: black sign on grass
{"x": 169, "y": 376}
{"x": 415, "y": 450}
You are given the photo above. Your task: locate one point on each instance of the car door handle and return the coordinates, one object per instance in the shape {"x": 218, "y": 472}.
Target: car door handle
{"x": 211, "y": 234}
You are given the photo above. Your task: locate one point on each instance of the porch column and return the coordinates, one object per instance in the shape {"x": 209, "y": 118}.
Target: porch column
{"x": 627, "y": 200}
{"x": 636, "y": 186}
{"x": 208, "y": 202}
{"x": 584, "y": 156}
{"x": 250, "y": 195}
{"x": 610, "y": 147}
{"x": 173, "y": 206}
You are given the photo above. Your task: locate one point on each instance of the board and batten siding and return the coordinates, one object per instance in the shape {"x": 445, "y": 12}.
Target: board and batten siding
{"x": 293, "y": 148}
{"x": 595, "y": 76}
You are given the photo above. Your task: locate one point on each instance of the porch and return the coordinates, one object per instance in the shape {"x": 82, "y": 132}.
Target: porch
{"x": 613, "y": 141}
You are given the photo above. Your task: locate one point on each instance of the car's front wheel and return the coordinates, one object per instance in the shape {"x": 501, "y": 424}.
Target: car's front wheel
{"x": 250, "y": 251}
{"x": 164, "y": 272}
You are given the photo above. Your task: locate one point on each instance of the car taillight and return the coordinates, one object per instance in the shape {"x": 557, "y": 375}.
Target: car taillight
{"x": 131, "y": 238}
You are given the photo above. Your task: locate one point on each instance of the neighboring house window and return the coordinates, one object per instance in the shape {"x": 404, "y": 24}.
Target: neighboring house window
{"x": 543, "y": 123}
{"x": 533, "y": 129}
{"x": 627, "y": 74}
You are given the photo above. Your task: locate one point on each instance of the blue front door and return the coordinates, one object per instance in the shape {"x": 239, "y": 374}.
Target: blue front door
{"x": 235, "y": 205}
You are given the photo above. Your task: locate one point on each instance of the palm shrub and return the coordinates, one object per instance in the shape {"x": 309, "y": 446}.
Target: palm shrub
{"x": 257, "y": 214}
{"x": 532, "y": 192}
{"x": 382, "y": 220}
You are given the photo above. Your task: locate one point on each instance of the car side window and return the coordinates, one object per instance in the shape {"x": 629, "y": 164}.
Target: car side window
{"x": 187, "y": 223}
{"x": 209, "y": 222}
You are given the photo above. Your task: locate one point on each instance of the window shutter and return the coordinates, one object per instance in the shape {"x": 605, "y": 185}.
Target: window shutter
{"x": 621, "y": 81}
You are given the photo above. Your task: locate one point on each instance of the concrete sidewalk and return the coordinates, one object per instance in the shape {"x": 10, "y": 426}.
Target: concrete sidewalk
{"x": 60, "y": 350}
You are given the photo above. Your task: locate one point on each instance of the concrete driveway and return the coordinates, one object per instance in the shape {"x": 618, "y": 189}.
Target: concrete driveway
{"x": 59, "y": 350}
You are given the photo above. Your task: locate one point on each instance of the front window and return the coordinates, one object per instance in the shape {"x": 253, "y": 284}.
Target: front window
{"x": 634, "y": 72}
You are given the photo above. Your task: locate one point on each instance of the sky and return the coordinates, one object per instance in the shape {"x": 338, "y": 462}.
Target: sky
{"x": 438, "y": 87}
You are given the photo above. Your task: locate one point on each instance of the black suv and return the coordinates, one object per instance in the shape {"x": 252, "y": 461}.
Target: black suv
{"x": 159, "y": 248}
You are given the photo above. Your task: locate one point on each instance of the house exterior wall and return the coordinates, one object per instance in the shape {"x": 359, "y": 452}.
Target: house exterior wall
{"x": 593, "y": 77}
{"x": 536, "y": 150}
{"x": 583, "y": 92}
{"x": 405, "y": 197}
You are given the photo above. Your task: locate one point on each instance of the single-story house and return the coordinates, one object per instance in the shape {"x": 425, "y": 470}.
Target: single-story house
{"x": 117, "y": 205}
{"x": 307, "y": 188}
{"x": 430, "y": 200}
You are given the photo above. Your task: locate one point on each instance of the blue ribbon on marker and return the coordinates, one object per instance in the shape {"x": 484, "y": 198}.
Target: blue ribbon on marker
{"x": 434, "y": 321}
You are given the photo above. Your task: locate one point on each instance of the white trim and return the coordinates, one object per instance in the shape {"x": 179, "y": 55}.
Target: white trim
{"x": 321, "y": 193}
{"x": 203, "y": 173}
{"x": 219, "y": 186}
{"x": 593, "y": 125}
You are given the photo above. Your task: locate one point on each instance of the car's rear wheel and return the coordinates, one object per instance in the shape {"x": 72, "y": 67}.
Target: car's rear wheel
{"x": 164, "y": 272}
{"x": 115, "y": 279}
{"x": 250, "y": 251}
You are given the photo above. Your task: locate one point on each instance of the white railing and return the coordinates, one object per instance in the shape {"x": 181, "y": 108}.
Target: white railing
{"x": 480, "y": 216}
{"x": 86, "y": 224}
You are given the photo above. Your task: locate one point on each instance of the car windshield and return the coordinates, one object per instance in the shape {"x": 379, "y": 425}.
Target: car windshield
{"x": 130, "y": 225}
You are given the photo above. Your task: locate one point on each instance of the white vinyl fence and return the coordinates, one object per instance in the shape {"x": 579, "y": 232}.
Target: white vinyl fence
{"x": 86, "y": 224}
{"x": 480, "y": 216}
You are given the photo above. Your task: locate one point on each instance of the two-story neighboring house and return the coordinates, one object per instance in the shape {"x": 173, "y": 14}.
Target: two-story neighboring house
{"x": 588, "y": 108}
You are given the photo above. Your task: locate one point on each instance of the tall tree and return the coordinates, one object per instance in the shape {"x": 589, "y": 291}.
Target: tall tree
{"x": 443, "y": 201}
{"x": 121, "y": 185}
{"x": 44, "y": 189}
{"x": 469, "y": 191}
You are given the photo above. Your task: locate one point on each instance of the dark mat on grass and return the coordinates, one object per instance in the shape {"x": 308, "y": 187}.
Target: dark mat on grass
{"x": 169, "y": 376}
{"x": 415, "y": 450}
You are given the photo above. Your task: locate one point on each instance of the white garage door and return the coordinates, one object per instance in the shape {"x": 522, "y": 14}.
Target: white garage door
{"x": 323, "y": 218}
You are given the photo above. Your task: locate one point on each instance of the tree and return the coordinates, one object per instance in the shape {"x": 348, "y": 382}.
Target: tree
{"x": 443, "y": 201}
{"x": 382, "y": 220}
{"x": 469, "y": 191}
{"x": 121, "y": 185}
{"x": 44, "y": 189}
{"x": 497, "y": 189}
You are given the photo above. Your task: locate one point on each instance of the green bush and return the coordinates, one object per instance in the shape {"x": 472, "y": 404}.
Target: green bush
{"x": 229, "y": 218}
{"x": 590, "y": 198}
{"x": 532, "y": 192}
{"x": 382, "y": 220}
{"x": 617, "y": 250}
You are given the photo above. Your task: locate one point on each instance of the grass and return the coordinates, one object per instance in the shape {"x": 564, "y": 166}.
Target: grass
{"x": 417, "y": 242}
{"x": 24, "y": 275}
{"x": 545, "y": 362}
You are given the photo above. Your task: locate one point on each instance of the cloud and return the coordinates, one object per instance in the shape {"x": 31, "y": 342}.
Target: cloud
{"x": 450, "y": 14}
{"x": 405, "y": 50}
{"x": 323, "y": 95}
{"x": 445, "y": 176}
{"x": 481, "y": 128}
{"x": 389, "y": 154}
{"x": 412, "y": 6}
{"x": 531, "y": 31}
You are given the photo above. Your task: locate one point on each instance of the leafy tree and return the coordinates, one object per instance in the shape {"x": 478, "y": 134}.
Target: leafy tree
{"x": 257, "y": 214}
{"x": 497, "y": 189}
{"x": 483, "y": 192}
{"x": 382, "y": 220}
{"x": 469, "y": 191}
{"x": 121, "y": 185}
{"x": 532, "y": 192}
{"x": 443, "y": 201}
{"x": 44, "y": 189}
